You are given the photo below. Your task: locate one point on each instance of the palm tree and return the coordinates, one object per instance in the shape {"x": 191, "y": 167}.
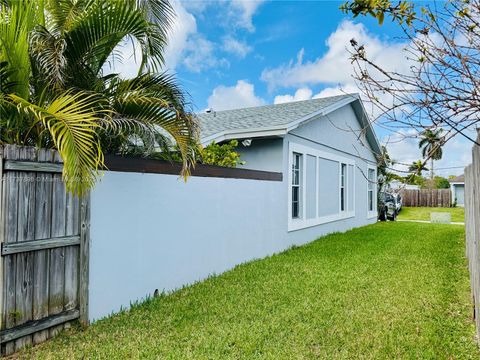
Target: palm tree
{"x": 431, "y": 144}
{"x": 54, "y": 92}
{"x": 417, "y": 167}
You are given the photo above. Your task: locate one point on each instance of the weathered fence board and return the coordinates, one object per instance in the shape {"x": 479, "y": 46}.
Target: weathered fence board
{"x": 43, "y": 212}
{"x": 14, "y": 165}
{"x": 11, "y": 229}
{"x": 472, "y": 229}
{"x": 42, "y": 241}
{"x": 427, "y": 197}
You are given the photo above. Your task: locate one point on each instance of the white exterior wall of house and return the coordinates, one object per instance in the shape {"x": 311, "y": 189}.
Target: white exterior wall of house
{"x": 331, "y": 146}
{"x": 458, "y": 193}
{"x": 153, "y": 231}
{"x": 262, "y": 154}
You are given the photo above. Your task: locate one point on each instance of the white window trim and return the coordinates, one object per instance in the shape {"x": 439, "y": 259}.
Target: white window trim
{"x": 374, "y": 213}
{"x": 302, "y": 222}
{"x": 300, "y": 185}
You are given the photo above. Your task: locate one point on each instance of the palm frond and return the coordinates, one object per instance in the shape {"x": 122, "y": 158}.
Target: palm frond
{"x": 17, "y": 20}
{"x": 7, "y": 81}
{"x": 135, "y": 133}
{"x": 431, "y": 143}
{"x": 157, "y": 101}
{"x": 103, "y": 25}
{"x": 72, "y": 120}
{"x": 62, "y": 13}
{"x": 48, "y": 55}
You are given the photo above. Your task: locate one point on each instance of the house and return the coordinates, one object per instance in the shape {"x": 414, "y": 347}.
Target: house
{"x": 457, "y": 186}
{"x": 397, "y": 185}
{"x": 324, "y": 147}
{"x": 310, "y": 170}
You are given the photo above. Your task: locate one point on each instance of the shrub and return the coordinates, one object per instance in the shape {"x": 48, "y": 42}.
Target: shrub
{"x": 221, "y": 155}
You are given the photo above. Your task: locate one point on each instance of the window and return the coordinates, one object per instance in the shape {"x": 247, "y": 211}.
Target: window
{"x": 296, "y": 190}
{"x": 322, "y": 185}
{"x": 371, "y": 189}
{"x": 343, "y": 183}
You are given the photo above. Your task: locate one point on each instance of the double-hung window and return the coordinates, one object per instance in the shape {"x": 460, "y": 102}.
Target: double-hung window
{"x": 296, "y": 189}
{"x": 371, "y": 190}
{"x": 343, "y": 186}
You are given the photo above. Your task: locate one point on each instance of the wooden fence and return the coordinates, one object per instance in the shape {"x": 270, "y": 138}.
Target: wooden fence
{"x": 472, "y": 228}
{"x": 44, "y": 249}
{"x": 427, "y": 197}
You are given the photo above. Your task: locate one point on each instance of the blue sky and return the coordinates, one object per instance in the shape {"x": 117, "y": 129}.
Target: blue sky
{"x": 232, "y": 54}
{"x": 279, "y": 31}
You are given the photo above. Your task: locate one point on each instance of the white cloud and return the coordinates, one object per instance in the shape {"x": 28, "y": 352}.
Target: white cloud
{"x": 334, "y": 67}
{"x": 243, "y": 11}
{"x": 305, "y": 93}
{"x": 200, "y": 55}
{"x": 197, "y": 6}
{"x": 300, "y": 94}
{"x": 129, "y": 53}
{"x": 337, "y": 90}
{"x": 188, "y": 47}
{"x": 234, "y": 97}
{"x": 236, "y": 47}
{"x": 185, "y": 47}
{"x": 184, "y": 26}
{"x": 233, "y": 14}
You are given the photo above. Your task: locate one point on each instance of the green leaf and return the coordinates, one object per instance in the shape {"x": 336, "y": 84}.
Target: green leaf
{"x": 72, "y": 120}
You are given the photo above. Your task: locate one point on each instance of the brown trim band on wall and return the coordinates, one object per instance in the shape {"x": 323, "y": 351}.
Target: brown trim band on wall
{"x": 153, "y": 166}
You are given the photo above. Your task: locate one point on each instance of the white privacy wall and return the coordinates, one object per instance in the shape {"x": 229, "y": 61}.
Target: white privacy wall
{"x": 154, "y": 231}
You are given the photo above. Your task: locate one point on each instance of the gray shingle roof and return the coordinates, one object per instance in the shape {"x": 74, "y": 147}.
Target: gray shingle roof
{"x": 263, "y": 116}
{"x": 458, "y": 179}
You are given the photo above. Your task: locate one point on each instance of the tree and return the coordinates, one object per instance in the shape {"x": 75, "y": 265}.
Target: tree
{"x": 401, "y": 11}
{"x": 413, "y": 179}
{"x": 221, "y": 155}
{"x": 213, "y": 154}
{"x": 54, "y": 93}
{"x": 431, "y": 145}
{"x": 441, "y": 90}
{"x": 441, "y": 182}
{"x": 417, "y": 167}
{"x": 385, "y": 165}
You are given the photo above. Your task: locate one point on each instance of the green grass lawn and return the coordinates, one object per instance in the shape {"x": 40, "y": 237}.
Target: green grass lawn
{"x": 423, "y": 213}
{"x": 389, "y": 290}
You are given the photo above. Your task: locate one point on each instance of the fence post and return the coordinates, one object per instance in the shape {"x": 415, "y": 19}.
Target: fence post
{"x": 84, "y": 256}
{"x": 472, "y": 229}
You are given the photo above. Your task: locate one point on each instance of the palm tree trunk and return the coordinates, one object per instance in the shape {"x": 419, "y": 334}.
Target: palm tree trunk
{"x": 431, "y": 170}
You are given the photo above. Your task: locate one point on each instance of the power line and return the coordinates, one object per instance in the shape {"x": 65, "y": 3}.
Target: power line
{"x": 451, "y": 167}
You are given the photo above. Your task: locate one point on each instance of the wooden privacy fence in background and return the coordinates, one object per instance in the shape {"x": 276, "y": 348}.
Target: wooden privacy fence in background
{"x": 472, "y": 228}
{"x": 44, "y": 248}
{"x": 427, "y": 197}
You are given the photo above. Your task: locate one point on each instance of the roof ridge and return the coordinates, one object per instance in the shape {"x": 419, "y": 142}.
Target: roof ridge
{"x": 281, "y": 104}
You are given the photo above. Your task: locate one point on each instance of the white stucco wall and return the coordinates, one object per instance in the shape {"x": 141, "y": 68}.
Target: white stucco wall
{"x": 262, "y": 154}
{"x": 153, "y": 231}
